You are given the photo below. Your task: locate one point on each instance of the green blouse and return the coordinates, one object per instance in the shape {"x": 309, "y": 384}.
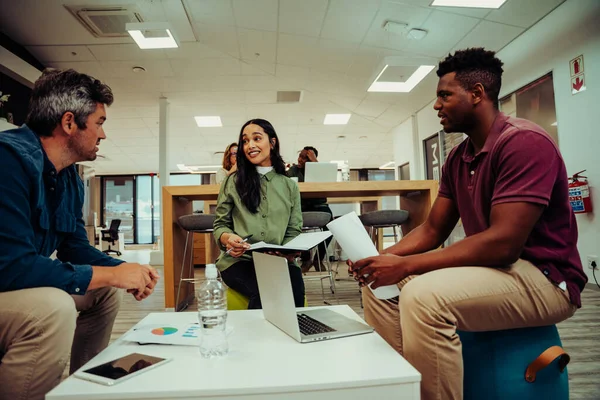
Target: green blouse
{"x": 277, "y": 221}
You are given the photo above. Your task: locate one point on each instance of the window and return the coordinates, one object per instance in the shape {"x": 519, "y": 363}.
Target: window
{"x": 534, "y": 102}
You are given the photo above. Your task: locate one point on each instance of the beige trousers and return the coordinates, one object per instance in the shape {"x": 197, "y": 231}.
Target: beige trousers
{"x": 422, "y": 325}
{"x": 38, "y": 329}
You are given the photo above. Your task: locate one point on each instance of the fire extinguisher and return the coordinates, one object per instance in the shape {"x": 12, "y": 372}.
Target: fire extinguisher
{"x": 579, "y": 194}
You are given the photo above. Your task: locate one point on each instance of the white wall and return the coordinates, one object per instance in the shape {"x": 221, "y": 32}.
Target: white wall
{"x": 577, "y": 115}
{"x": 570, "y": 30}
{"x": 403, "y": 147}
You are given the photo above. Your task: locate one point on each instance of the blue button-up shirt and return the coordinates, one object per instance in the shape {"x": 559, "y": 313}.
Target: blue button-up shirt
{"x": 40, "y": 212}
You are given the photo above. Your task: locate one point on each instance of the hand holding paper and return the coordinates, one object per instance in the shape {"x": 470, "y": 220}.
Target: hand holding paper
{"x": 353, "y": 238}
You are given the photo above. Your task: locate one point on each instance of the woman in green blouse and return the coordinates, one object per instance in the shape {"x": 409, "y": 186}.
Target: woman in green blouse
{"x": 258, "y": 200}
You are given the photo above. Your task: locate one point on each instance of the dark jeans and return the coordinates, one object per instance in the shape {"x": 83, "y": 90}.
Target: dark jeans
{"x": 241, "y": 277}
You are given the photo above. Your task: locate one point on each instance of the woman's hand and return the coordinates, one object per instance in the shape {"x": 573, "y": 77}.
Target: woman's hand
{"x": 234, "y": 244}
{"x": 233, "y": 169}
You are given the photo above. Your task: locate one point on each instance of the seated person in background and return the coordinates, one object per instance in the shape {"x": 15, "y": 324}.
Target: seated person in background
{"x": 229, "y": 163}
{"x": 518, "y": 266}
{"x": 257, "y": 200}
{"x": 310, "y": 154}
{"x": 41, "y": 211}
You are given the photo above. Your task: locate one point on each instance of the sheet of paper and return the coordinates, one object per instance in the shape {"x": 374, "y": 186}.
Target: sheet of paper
{"x": 182, "y": 335}
{"x": 356, "y": 243}
{"x": 302, "y": 242}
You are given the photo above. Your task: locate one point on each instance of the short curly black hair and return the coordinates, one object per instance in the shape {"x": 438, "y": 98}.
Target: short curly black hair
{"x": 475, "y": 65}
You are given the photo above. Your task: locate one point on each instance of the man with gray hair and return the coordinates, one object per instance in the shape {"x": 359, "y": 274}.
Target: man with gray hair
{"x": 50, "y": 307}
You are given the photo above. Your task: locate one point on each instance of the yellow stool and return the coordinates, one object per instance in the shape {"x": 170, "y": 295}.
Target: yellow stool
{"x": 237, "y": 301}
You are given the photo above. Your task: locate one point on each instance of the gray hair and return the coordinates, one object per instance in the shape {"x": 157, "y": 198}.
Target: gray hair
{"x": 59, "y": 91}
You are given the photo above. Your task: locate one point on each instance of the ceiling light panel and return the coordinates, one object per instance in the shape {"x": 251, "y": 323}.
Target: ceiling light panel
{"x": 468, "y": 3}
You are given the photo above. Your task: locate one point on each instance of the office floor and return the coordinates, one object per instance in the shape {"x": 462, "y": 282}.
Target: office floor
{"x": 580, "y": 334}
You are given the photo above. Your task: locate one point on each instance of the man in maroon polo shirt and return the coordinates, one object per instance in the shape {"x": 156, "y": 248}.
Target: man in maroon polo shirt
{"x": 517, "y": 267}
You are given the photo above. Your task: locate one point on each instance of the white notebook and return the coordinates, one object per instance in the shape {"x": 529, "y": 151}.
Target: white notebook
{"x": 302, "y": 242}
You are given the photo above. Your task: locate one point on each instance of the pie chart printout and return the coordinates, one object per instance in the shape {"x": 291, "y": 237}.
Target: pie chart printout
{"x": 164, "y": 331}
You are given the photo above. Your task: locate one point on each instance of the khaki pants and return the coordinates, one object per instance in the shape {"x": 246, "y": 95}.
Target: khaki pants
{"x": 422, "y": 326}
{"x": 38, "y": 329}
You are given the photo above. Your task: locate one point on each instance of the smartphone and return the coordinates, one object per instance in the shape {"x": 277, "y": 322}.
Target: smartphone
{"x": 121, "y": 369}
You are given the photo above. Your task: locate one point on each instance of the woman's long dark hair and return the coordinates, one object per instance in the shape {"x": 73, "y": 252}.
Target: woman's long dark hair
{"x": 247, "y": 180}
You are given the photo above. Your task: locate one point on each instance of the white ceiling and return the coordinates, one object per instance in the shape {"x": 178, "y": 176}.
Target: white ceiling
{"x": 236, "y": 54}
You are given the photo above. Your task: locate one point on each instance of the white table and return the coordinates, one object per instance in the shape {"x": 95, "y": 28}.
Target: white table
{"x": 263, "y": 363}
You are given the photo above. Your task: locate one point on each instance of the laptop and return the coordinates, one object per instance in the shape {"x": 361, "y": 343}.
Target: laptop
{"x": 278, "y": 306}
{"x": 320, "y": 172}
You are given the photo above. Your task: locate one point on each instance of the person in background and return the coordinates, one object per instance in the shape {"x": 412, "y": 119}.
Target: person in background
{"x": 259, "y": 200}
{"x": 310, "y": 154}
{"x": 50, "y": 307}
{"x": 518, "y": 266}
{"x": 229, "y": 163}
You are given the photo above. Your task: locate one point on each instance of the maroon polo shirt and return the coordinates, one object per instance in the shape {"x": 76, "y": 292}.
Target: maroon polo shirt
{"x": 519, "y": 163}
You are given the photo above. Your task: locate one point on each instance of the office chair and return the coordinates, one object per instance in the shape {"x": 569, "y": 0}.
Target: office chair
{"x": 111, "y": 235}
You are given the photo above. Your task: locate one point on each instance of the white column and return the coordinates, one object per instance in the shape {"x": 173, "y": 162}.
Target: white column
{"x": 417, "y": 145}
{"x": 157, "y": 257}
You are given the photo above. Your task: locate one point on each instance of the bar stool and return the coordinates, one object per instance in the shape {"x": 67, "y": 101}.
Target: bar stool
{"x": 316, "y": 221}
{"x": 376, "y": 220}
{"x": 192, "y": 223}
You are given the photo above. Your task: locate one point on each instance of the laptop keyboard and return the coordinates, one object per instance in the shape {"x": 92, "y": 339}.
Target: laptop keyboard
{"x": 310, "y": 326}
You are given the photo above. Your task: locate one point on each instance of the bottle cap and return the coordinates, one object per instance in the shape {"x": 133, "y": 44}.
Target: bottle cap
{"x": 210, "y": 272}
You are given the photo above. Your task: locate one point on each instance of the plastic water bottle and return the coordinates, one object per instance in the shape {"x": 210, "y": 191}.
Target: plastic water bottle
{"x": 212, "y": 315}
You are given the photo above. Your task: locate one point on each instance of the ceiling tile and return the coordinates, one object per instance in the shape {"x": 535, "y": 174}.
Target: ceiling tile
{"x": 261, "y": 97}
{"x": 523, "y": 13}
{"x": 257, "y": 45}
{"x": 302, "y": 17}
{"x": 219, "y": 37}
{"x": 371, "y": 108}
{"x": 365, "y": 63}
{"x": 296, "y": 50}
{"x": 194, "y": 50}
{"x": 347, "y": 102}
{"x": 256, "y": 14}
{"x": 349, "y": 20}
{"x": 250, "y": 68}
{"x": 334, "y": 55}
{"x": 123, "y": 69}
{"x": 218, "y": 12}
{"x": 413, "y": 16}
{"x": 61, "y": 53}
{"x": 92, "y": 68}
{"x": 125, "y": 52}
{"x": 293, "y": 73}
{"x": 444, "y": 31}
{"x": 490, "y": 35}
{"x": 206, "y": 68}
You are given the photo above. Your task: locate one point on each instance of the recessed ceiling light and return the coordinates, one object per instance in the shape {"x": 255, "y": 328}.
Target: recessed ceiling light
{"x": 336, "y": 119}
{"x": 468, "y": 3}
{"x": 416, "y": 34}
{"x": 138, "y": 69}
{"x": 398, "y": 28}
{"x": 402, "y": 87}
{"x": 152, "y": 35}
{"x": 208, "y": 121}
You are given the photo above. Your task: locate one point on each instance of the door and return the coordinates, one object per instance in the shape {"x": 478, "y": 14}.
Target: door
{"x": 119, "y": 203}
